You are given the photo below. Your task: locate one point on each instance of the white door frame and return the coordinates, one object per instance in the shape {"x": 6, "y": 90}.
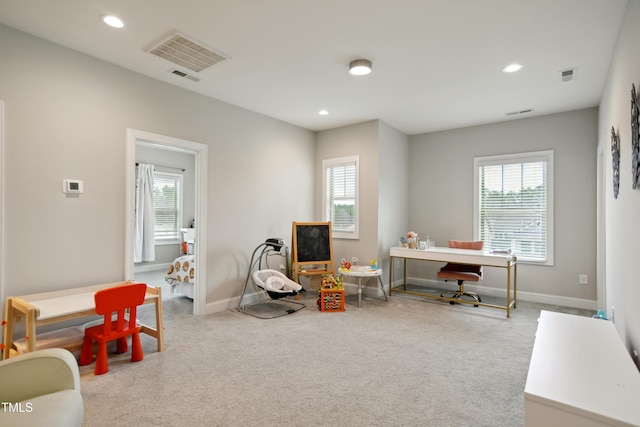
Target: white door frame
{"x": 201, "y": 155}
{"x": 2, "y": 281}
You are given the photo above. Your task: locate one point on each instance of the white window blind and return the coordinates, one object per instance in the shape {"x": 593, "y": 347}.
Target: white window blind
{"x": 341, "y": 196}
{"x": 514, "y": 204}
{"x": 167, "y": 202}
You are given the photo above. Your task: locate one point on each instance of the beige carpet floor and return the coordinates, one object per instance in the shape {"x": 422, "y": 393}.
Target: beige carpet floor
{"x": 405, "y": 362}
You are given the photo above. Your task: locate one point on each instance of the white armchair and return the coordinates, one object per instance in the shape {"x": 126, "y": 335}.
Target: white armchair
{"x": 41, "y": 388}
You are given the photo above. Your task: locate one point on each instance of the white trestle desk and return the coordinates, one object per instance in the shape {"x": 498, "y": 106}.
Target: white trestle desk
{"x": 58, "y": 306}
{"x": 460, "y": 256}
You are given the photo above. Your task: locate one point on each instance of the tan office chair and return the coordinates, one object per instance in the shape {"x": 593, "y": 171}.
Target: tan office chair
{"x": 462, "y": 272}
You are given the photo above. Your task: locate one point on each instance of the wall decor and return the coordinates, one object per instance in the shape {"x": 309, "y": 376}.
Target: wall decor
{"x": 615, "y": 157}
{"x": 635, "y": 138}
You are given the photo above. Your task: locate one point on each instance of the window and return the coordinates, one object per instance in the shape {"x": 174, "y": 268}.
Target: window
{"x": 513, "y": 204}
{"x": 340, "y": 202}
{"x": 167, "y": 205}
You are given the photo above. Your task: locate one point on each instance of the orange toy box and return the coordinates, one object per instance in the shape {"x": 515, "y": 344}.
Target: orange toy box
{"x": 331, "y": 294}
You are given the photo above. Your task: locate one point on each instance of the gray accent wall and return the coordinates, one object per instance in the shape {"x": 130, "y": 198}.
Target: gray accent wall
{"x": 441, "y": 194}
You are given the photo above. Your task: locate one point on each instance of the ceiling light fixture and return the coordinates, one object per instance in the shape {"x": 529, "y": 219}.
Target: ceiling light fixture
{"x": 512, "y": 68}
{"x": 360, "y": 67}
{"x": 112, "y": 21}
{"x": 323, "y": 112}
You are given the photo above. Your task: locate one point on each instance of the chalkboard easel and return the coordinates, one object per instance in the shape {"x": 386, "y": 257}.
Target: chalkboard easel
{"x": 312, "y": 249}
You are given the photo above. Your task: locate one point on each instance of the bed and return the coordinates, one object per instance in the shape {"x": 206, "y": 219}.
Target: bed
{"x": 182, "y": 275}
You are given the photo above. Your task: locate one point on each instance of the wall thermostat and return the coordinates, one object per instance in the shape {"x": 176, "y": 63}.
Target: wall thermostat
{"x": 71, "y": 186}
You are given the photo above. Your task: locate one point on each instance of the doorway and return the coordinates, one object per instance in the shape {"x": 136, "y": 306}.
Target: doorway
{"x": 137, "y": 138}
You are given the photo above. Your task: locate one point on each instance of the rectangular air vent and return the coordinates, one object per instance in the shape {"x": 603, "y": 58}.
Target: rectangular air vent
{"x": 183, "y": 74}
{"x": 185, "y": 52}
{"x": 515, "y": 113}
{"x": 568, "y": 75}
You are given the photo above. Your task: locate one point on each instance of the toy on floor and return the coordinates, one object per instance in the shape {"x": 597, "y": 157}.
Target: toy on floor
{"x": 331, "y": 294}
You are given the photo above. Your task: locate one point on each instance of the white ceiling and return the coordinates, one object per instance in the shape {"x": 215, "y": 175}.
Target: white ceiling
{"x": 436, "y": 63}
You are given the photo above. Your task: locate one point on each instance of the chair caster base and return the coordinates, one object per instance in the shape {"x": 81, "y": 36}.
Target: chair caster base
{"x": 478, "y": 299}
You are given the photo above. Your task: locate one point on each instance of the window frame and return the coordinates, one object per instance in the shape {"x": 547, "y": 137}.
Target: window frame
{"x": 179, "y": 178}
{"x": 326, "y": 215}
{"x": 519, "y": 158}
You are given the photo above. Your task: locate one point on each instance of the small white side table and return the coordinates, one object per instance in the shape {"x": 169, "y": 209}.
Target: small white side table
{"x": 363, "y": 272}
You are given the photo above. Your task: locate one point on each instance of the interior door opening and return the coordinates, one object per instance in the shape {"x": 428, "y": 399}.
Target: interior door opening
{"x": 156, "y": 147}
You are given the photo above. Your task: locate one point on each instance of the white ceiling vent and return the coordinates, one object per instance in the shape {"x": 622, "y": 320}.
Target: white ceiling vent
{"x": 568, "y": 75}
{"x": 185, "y": 52}
{"x": 180, "y": 73}
{"x": 516, "y": 113}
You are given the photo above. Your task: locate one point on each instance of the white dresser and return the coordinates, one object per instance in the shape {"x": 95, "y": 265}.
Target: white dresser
{"x": 580, "y": 374}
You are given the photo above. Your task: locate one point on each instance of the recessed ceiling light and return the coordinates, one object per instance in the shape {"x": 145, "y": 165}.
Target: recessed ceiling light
{"x": 112, "y": 21}
{"x": 360, "y": 67}
{"x": 323, "y": 112}
{"x": 512, "y": 68}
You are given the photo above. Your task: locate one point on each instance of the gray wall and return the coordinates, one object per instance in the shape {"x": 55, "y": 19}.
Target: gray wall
{"x": 66, "y": 115}
{"x": 383, "y": 153}
{"x": 441, "y": 193}
{"x": 393, "y": 191}
{"x": 362, "y": 140}
{"x": 622, "y": 227}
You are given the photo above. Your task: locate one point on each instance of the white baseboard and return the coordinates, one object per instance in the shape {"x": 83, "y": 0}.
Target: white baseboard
{"x": 375, "y": 292}
{"x": 222, "y": 305}
{"x": 230, "y": 303}
{"x": 562, "y": 301}
{"x": 151, "y": 267}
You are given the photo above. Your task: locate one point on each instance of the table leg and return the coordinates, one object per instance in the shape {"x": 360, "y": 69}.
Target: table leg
{"x": 159, "y": 321}
{"x": 382, "y": 288}
{"x": 8, "y": 329}
{"x": 31, "y": 330}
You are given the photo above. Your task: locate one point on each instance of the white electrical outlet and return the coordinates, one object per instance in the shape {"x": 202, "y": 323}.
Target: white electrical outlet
{"x": 583, "y": 279}
{"x": 612, "y": 317}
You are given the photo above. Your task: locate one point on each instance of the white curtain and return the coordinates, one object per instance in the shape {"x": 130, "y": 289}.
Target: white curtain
{"x": 145, "y": 244}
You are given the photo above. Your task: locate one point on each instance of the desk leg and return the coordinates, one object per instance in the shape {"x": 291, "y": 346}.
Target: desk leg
{"x": 359, "y": 292}
{"x": 8, "y": 329}
{"x": 404, "y": 275}
{"x": 390, "y": 275}
{"x": 508, "y": 291}
{"x": 515, "y": 283}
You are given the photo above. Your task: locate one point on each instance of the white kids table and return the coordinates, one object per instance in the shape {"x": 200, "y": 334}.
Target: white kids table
{"x": 363, "y": 272}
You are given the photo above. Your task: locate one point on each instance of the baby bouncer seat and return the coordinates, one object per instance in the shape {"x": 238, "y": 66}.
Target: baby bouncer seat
{"x": 275, "y": 283}
{"x": 272, "y": 283}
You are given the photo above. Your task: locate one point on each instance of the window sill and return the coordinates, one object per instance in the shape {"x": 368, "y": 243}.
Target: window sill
{"x": 165, "y": 242}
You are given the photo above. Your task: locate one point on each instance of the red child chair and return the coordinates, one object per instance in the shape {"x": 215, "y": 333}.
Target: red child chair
{"x": 117, "y": 299}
